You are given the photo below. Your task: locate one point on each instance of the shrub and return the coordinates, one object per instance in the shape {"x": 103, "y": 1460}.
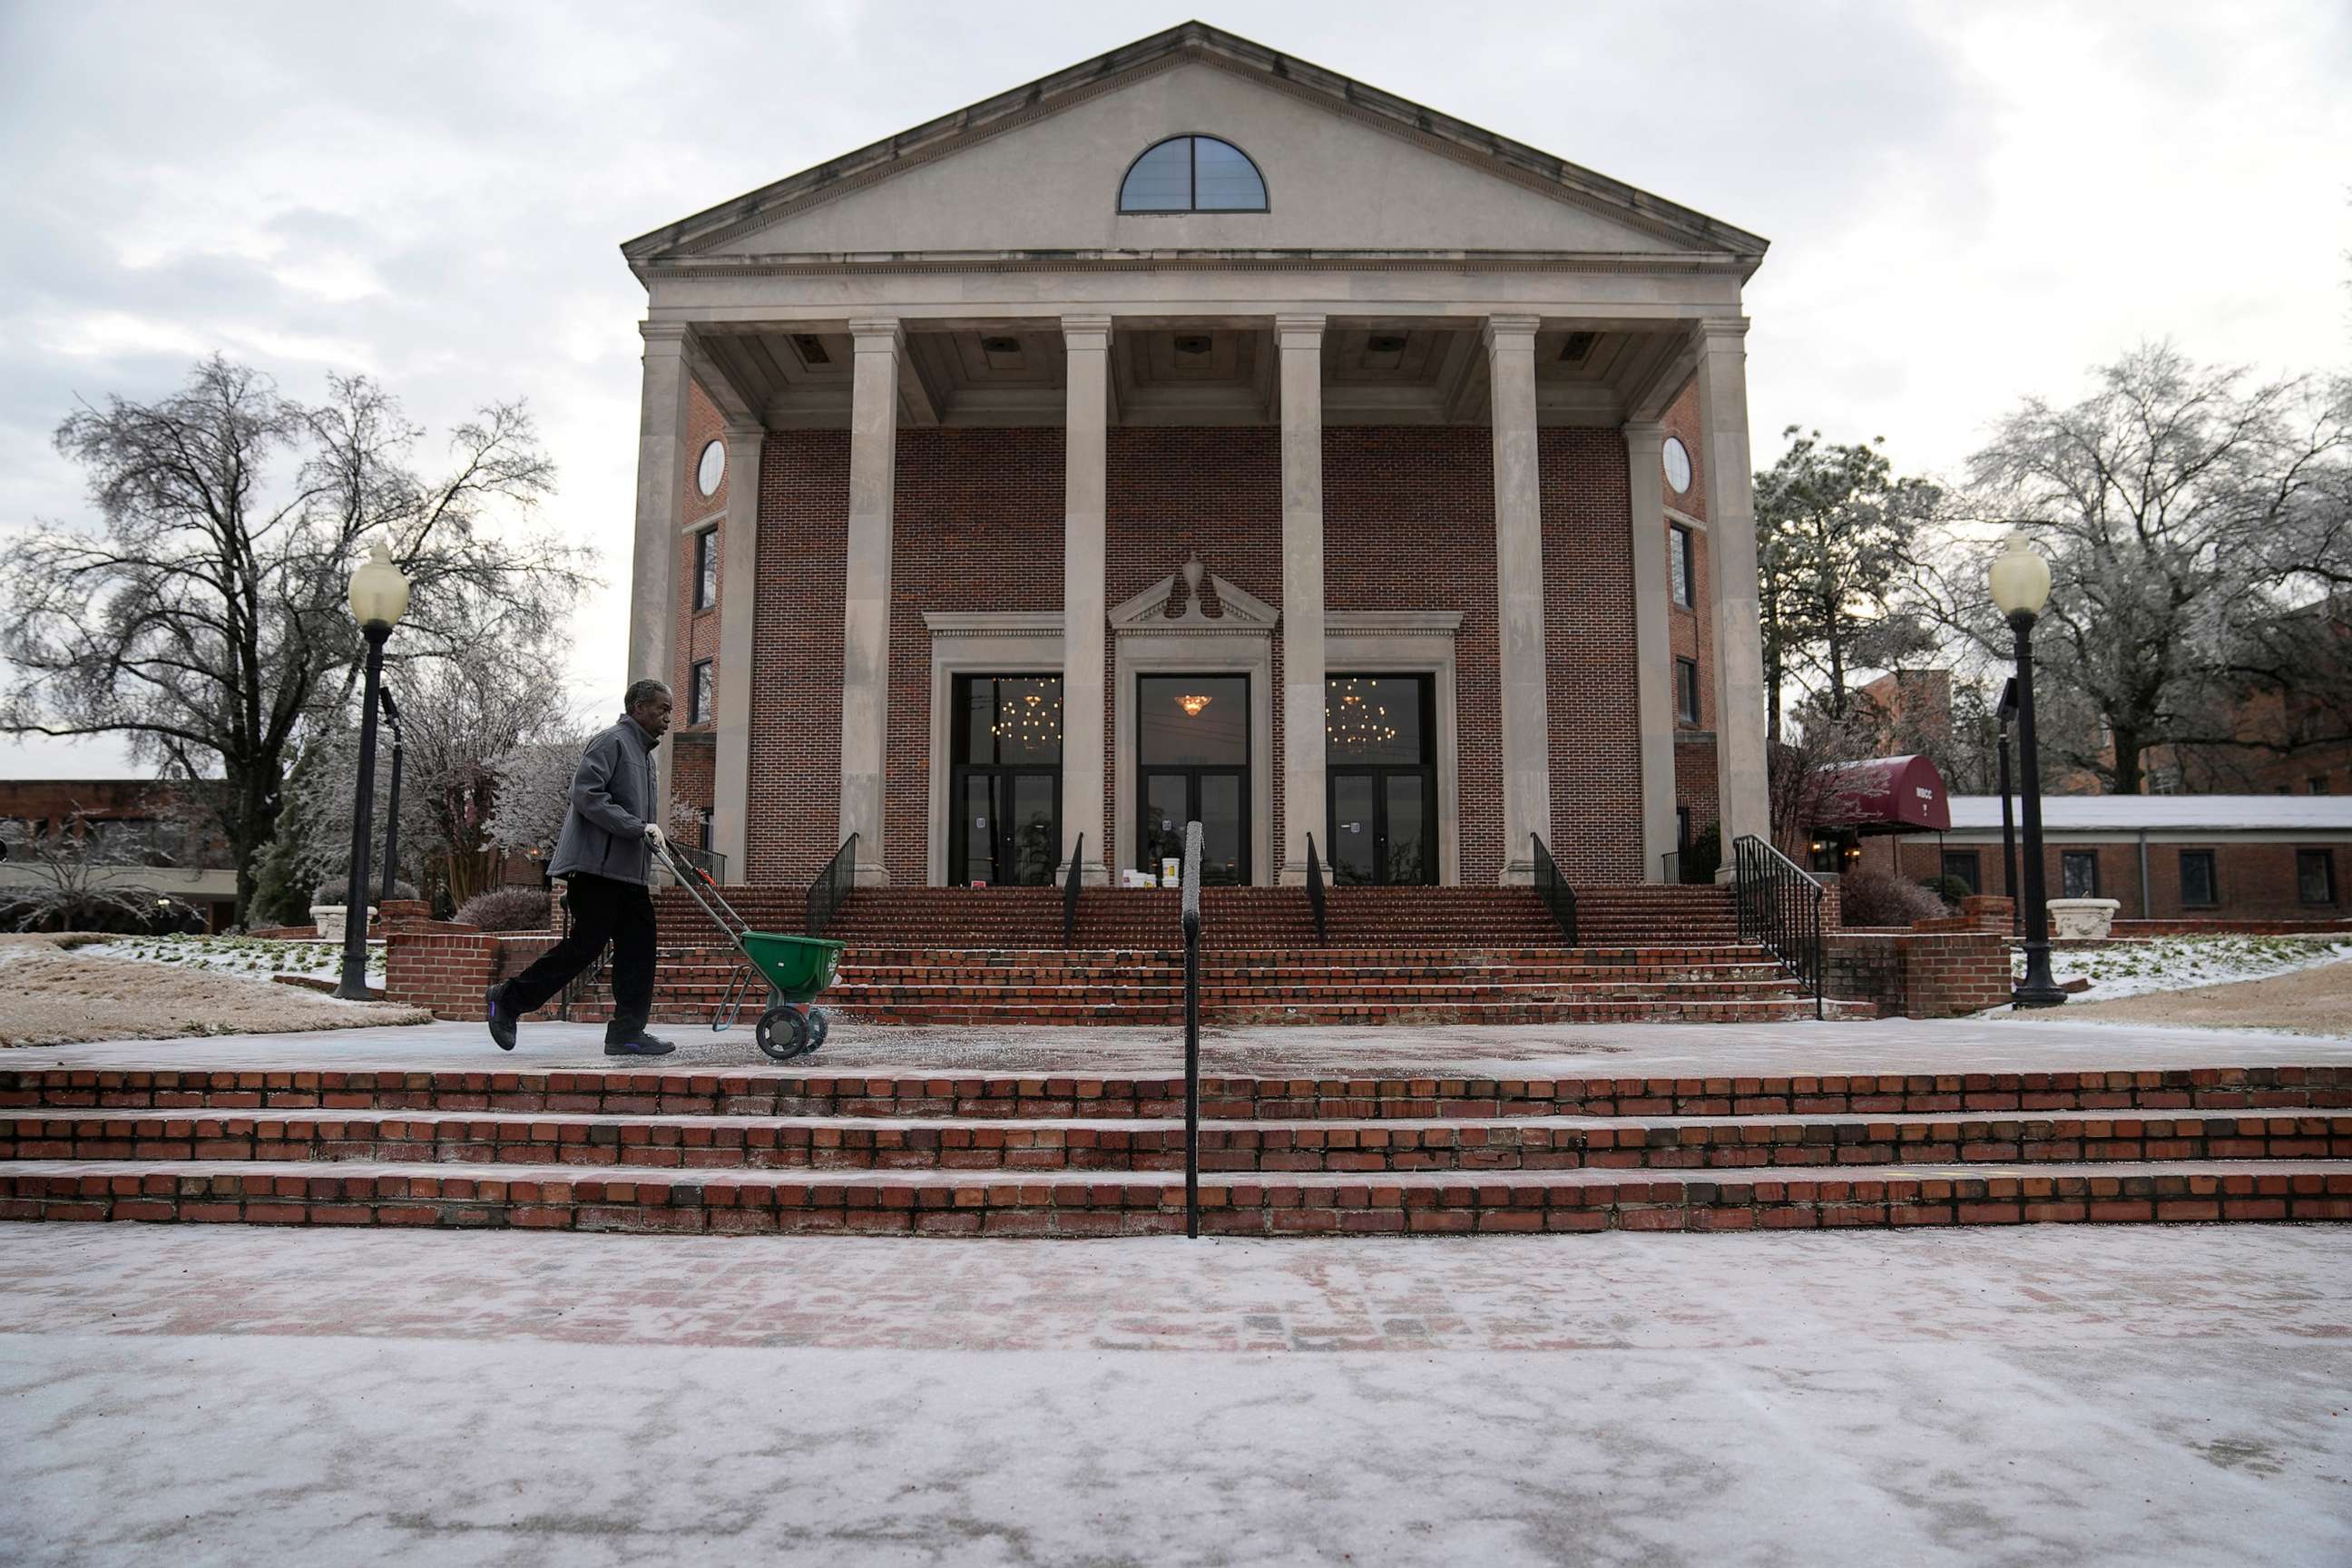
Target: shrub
{"x": 331, "y": 891}
{"x": 1951, "y": 889}
{"x": 506, "y": 908}
{"x": 1703, "y": 857}
{"x": 1875, "y": 899}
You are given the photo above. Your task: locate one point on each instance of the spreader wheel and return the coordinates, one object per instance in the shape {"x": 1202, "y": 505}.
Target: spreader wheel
{"x": 819, "y": 1026}
{"x": 783, "y": 1033}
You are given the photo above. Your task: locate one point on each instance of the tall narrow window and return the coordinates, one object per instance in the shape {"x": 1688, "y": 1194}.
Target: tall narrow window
{"x": 698, "y": 693}
{"x": 1679, "y": 569}
{"x": 2078, "y": 873}
{"x": 1193, "y": 175}
{"x": 706, "y": 569}
{"x": 2198, "y": 889}
{"x": 1687, "y": 690}
{"x": 2315, "y": 875}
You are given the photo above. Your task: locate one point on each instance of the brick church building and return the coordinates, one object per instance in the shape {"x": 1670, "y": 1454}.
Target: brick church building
{"x": 1196, "y": 433}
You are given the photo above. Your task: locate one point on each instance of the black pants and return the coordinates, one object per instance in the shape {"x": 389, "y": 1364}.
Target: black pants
{"x": 602, "y": 911}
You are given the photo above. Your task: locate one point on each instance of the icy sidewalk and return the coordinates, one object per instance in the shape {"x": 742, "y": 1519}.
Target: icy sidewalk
{"x": 2108, "y": 1396}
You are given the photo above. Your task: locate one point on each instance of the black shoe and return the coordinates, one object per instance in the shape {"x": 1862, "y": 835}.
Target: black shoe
{"x": 501, "y": 1020}
{"x": 639, "y": 1044}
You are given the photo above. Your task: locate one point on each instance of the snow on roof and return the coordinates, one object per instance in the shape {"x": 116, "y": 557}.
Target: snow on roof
{"x": 2170, "y": 812}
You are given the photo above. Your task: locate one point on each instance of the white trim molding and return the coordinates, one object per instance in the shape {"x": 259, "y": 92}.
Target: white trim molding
{"x": 1411, "y": 642}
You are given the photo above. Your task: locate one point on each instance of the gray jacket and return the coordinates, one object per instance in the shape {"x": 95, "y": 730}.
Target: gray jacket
{"x": 613, "y": 798}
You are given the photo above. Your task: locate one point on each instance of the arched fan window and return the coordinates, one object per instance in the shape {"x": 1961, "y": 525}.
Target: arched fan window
{"x": 1193, "y": 175}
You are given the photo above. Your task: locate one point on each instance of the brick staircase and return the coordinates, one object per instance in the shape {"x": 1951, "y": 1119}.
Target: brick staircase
{"x": 767, "y": 1151}
{"x": 1424, "y": 955}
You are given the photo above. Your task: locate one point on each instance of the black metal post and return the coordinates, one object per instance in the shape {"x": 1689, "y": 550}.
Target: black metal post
{"x": 2009, "y": 837}
{"x": 1190, "y": 910}
{"x": 392, "y": 805}
{"x": 2038, "y": 989}
{"x": 354, "y": 987}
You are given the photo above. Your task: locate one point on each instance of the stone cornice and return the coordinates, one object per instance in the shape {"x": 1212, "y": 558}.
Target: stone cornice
{"x": 992, "y": 623}
{"x": 1392, "y": 623}
{"x": 858, "y": 263}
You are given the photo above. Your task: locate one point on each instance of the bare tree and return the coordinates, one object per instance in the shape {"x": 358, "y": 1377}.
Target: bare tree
{"x": 75, "y": 878}
{"x": 2197, "y": 528}
{"x": 204, "y": 619}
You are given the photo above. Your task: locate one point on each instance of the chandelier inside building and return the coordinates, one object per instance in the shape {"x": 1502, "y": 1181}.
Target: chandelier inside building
{"x": 1356, "y": 716}
{"x": 1030, "y": 718}
{"x": 1193, "y": 703}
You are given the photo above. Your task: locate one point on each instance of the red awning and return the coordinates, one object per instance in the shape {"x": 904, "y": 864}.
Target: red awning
{"x": 1884, "y": 795}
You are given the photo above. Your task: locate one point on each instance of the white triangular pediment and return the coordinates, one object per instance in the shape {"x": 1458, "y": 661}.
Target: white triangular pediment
{"x": 1039, "y": 170}
{"x": 1237, "y": 610}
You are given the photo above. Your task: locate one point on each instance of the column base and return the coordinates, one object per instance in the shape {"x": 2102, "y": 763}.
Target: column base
{"x": 1518, "y": 874}
{"x": 868, "y": 874}
{"x": 1091, "y": 874}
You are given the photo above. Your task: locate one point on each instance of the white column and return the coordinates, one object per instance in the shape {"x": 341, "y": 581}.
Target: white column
{"x": 1519, "y": 592}
{"x": 661, "y": 480}
{"x": 1653, "y": 698}
{"x": 1086, "y": 610}
{"x": 865, "y": 603}
{"x": 1299, "y": 340}
{"x": 1741, "y": 788}
{"x": 739, "y": 587}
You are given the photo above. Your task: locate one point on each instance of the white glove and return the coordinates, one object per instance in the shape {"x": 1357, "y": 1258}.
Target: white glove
{"x": 655, "y": 836}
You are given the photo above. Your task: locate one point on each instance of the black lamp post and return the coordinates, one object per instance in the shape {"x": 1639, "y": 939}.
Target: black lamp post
{"x": 391, "y": 809}
{"x": 2006, "y": 714}
{"x": 379, "y": 597}
{"x": 2020, "y": 587}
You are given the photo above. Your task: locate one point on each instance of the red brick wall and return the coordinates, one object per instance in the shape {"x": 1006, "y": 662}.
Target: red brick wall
{"x": 1409, "y": 524}
{"x": 1596, "y": 737}
{"x": 1681, "y": 421}
{"x": 796, "y": 762}
{"x": 695, "y": 635}
{"x": 2254, "y": 881}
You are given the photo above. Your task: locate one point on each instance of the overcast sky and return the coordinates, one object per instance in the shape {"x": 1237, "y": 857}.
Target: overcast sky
{"x": 1967, "y": 203}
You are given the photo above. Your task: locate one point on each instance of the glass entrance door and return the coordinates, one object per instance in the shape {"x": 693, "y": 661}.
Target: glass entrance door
{"x": 1377, "y": 737}
{"x": 1193, "y": 749}
{"x": 1004, "y": 789}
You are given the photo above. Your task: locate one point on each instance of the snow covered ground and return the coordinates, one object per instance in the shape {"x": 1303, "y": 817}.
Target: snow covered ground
{"x": 2136, "y": 967}
{"x": 2099, "y": 1395}
{"x": 260, "y": 956}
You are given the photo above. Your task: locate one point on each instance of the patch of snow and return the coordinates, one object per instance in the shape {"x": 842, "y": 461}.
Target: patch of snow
{"x": 258, "y": 958}
{"x": 2136, "y": 967}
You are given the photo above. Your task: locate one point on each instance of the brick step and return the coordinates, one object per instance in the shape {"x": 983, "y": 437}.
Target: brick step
{"x": 1018, "y": 1011}
{"x": 1132, "y": 1143}
{"x": 1105, "y": 1204}
{"x": 772, "y": 1090}
{"x": 1165, "y": 984}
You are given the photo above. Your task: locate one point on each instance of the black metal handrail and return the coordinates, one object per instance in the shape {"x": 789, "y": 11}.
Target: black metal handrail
{"x": 1553, "y": 889}
{"x": 1314, "y": 894}
{"x": 1779, "y": 905}
{"x": 831, "y": 889}
{"x": 1190, "y": 916}
{"x": 1070, "y": 893}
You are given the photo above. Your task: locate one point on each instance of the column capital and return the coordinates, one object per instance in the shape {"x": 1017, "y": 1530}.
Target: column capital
{"x": 1645, "y": 435}
{"x": 1515, "y": 333}
{"x": 1300, "y": 329}
{"x": 866, "y": 330}
{"x": 745, "y": 429}
{"x": 1712, "y": 331}
{"x": 669, "y": 336}
{"x": 1077, "y": 330}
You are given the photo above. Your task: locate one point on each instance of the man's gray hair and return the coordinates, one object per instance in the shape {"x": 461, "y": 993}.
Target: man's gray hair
{"x": 641, "y": 692}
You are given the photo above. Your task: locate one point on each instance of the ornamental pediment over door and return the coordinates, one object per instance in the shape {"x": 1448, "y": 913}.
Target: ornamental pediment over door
{"x": 1238, "y": 610}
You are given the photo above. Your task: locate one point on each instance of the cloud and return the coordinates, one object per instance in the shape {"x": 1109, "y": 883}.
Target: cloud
{"x": 1967, "y": 204}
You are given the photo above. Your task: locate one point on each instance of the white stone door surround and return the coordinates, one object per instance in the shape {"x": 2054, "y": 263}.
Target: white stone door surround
{"x": 1239, "y": 640}
{"x": 1407, "y": 642}
{"x": 982, "y": 642}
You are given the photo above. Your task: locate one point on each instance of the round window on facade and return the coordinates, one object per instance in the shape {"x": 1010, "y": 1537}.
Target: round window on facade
{"x": 712, "y": 469}
{"x": 1677, "y": 459}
